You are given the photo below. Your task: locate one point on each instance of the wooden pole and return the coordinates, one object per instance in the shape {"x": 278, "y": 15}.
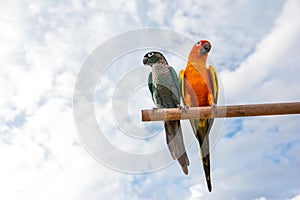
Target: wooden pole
{"x": 221, "y": 111}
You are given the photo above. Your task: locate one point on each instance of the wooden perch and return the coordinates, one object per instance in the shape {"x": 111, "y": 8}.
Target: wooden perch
{"x": 221, "y": 111}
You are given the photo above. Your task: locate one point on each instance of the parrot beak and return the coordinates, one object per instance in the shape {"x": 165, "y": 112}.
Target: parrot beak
{"x": 205, "y": 49}
{"x": 145, "y": 60}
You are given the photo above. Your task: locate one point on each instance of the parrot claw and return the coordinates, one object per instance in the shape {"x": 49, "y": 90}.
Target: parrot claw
{"x": 184, "y": 109}
{"x": 214, "y": 109}
{"x": 154, "y": 109}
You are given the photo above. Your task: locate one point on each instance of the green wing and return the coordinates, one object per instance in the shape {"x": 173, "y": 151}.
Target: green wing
{"x": 213, "y": 78}
{"x": 175, "y": 78}
{"x": 155, "y": 97}
{"x": 150, "y": 84}
{"x": 152, "y": 88}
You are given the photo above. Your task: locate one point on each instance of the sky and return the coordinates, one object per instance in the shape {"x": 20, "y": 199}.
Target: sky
{"x": 45, "y": 45}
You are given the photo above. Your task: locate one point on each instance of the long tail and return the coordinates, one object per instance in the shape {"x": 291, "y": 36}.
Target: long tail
{"x": 201, "y": 129}
{"x": 176, "y": 144}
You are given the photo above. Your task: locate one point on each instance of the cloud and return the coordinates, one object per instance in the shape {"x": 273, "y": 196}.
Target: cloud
{"x": 272, "y": 67}
{"x": 43, "y": 45}
{"x": 296, "y": 197}
{"x": 223, "y": 23}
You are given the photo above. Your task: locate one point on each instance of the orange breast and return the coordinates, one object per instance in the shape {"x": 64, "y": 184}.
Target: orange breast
{"x": 196, "y": 87}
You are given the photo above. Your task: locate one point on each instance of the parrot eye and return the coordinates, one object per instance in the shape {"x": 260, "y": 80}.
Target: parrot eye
{"x": 150, "y": 54}
{"x": 198, "y": 43}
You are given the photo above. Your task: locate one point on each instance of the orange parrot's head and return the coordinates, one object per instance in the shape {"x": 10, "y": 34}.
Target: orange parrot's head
{"x": 200, "y": 50}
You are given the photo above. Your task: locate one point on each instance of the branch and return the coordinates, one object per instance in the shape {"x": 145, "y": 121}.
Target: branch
{"x": 170, "y": 114}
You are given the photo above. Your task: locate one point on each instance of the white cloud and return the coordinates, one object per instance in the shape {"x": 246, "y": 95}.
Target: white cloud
{"x": 261, "y": 198}
{"x": 296, "y": 197}
{"x": 266, "y": 74}
{"x": 196, "y": 192}
{"x": 234, "y": 28}
{"x": 42, "y": 50}
{"x": 43, "y": 45}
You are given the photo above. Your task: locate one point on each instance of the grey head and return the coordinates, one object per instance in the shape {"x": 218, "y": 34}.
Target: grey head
{"x": 154, "y": 57}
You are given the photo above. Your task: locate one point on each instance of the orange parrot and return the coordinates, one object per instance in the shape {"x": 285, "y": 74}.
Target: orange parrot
{"x": 199, "y": 86}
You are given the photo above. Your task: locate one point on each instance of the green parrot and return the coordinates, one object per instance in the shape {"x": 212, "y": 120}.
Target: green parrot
{"x": 164, "y": 87}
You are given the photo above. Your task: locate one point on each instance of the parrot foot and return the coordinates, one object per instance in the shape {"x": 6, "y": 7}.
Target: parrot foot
{"x": 154, "y": 109}
{"x": 214, "y": 109}
{"x": 184, "y": 109}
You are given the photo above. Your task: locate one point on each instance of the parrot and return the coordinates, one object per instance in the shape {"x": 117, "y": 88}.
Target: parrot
{"x": 199, "y": 87}
{"x": 163, "y": 84}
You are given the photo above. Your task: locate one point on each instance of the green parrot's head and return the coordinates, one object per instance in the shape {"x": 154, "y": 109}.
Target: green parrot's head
{"x": 154, "y": 57}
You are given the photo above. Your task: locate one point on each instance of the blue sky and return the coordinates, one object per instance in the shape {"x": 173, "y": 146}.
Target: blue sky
{"x": 43, "y": 47}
